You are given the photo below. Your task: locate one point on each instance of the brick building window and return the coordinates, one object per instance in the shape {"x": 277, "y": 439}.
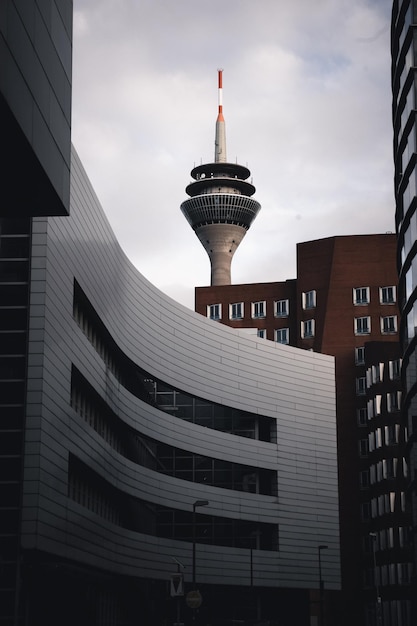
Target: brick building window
{"x": 361, "y": 295}
{"x": 236, "y": 311}
{"x": 282, "y": 335}
{"x": 282, "y": 308}
{"x": 389, "y": 324}
{"x": 361, "y": 386}
{"x": 387, "y": 295}
{"x": 360, "y": 355}
{"x": 307, "y": 329}
{"x": 214, "y": 311}
{"x": 309, "y": 299}
{"x": 259, "y": 309}
{"x": 362, "y": 325}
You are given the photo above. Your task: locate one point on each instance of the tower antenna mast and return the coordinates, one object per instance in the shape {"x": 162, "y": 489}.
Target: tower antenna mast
{"x": 220, "y": 208}
{"x": 220, "y": 140}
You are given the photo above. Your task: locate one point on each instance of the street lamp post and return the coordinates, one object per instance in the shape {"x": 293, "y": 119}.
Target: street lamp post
{"x": 196, "y": 504}
{"x": 254, "y": 539}
{"x": 180, "y": 567}
{"x": 321, "y": 582}
{"x": 254, "y": 543}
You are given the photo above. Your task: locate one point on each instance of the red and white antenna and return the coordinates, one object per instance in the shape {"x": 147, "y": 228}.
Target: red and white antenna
{"x": 220, "y": 140}
{"x": 220, "y": 115}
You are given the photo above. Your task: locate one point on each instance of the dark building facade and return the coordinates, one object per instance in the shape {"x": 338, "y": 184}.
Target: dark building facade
{"x": 344, "y": 303}
{"x": 35, "y": 146}
{"x": 35, "y": 106}
{"x": 404, "y": 85}
{"x": 144, "y": 451}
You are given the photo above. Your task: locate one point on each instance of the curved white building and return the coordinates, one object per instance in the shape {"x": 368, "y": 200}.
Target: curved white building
{"x": 138, "y": 408}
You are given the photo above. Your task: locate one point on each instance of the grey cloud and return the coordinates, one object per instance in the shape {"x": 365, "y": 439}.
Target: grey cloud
{"x": 307, "y": 106}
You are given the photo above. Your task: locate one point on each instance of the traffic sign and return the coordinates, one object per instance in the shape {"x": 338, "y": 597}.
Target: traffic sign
{"x": 177, "y": 585}
{"x": 193, "y": 599}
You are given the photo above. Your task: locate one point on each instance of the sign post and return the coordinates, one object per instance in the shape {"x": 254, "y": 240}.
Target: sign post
{"x": 177, "y": 591}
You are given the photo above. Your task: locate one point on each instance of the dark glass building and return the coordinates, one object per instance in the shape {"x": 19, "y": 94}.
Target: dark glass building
{"x": 404, "y": 85}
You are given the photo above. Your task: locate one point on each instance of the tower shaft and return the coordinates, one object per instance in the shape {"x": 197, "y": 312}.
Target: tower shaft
{"x": 220, "y": 242}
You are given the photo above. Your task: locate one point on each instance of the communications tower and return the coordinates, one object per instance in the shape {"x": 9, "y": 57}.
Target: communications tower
{"x": 220, "y": 209}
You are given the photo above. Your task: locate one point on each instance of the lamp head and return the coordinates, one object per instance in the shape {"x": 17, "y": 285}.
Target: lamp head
{"x": 200, "y": 503}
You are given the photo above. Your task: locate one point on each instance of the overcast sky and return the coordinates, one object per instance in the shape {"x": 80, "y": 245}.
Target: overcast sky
{"x": 307, "y": 105}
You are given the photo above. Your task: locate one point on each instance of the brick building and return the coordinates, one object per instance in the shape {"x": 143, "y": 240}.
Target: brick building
{"x": 344, "y": 303}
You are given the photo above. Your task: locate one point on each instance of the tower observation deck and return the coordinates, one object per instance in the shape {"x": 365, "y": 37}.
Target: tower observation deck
{"x": 220, "y": 209}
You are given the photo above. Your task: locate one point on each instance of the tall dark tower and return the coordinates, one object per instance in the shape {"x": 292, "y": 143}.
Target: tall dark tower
{"x": 404, "y": 86}
{"x": 220, "y": 209}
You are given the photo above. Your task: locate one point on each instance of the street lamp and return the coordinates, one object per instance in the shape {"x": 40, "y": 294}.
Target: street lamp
{"x": 321, "y": 592}
{"x": 378, "y": 597}
{"x": 195, "y": 505}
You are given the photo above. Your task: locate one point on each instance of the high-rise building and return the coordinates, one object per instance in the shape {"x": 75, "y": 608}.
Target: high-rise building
{"x": 221, "y": 208}
{"x": 144, "y": 451}
{"x": 35, "y": 107}
{"x": 344, "y": 303}
{"x": 404, "y": 87}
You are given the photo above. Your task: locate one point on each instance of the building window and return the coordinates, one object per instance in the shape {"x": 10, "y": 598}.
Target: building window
{"x": 362, "y": 415}
{"x": 389, "y": 324}
{"x": 371, "y": 441}
{"x": 387, "y": 295}
{"x": 391, "y": 438}
{"x": 259, "y": 309}
{"x": 364, "y": 479}
{"x": 307, "y": 329}
{"x": 361, "y": 295}
{"x": 365, "y": 510}
{"x": 395, "y": 369}
{"x": 236, "y": 311}
{"x": 360, "y": 355}
{"x": 282, "y": 335}
{"x": 282, "y": 308}
{"x": 361, "y": 386}
{"x": 363, "y": 447}
{"x": 309, "y": 299}
{"x": 377, "y": 373}
{"x": 377, "y": 404}
{"x": 214, "y": 311}
{"x": 362, "y": 325}
{"x": 393, "y": 401}
{"x": 261, "y": 333}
